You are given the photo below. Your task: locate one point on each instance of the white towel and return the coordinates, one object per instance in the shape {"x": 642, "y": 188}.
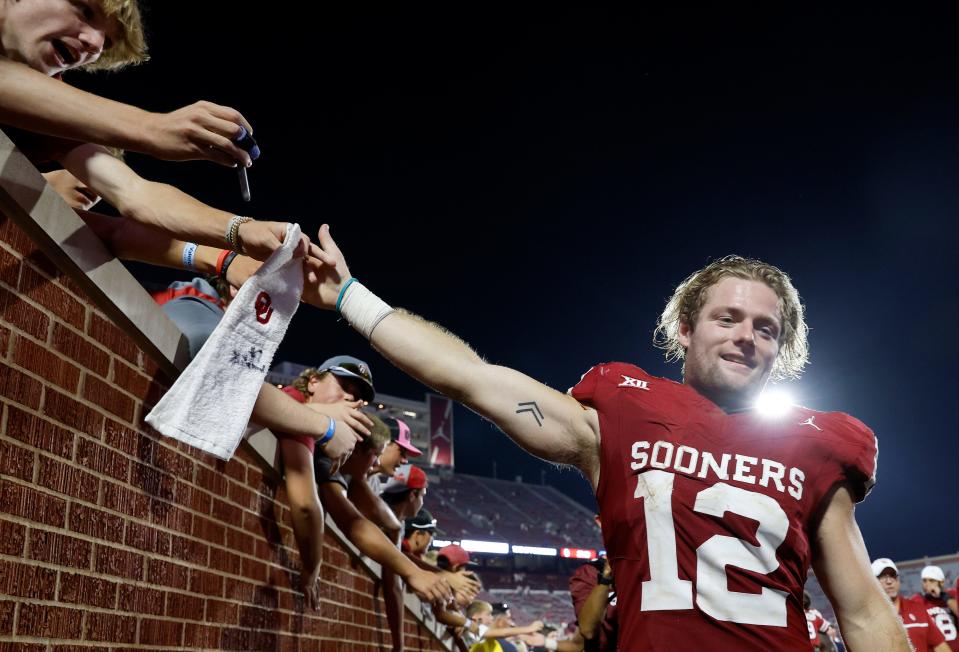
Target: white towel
{"x": 210, "y": 404}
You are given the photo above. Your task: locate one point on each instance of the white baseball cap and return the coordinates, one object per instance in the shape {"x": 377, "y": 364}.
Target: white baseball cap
{"x": 882, "y": 564}
{"x": 933, "y": 573}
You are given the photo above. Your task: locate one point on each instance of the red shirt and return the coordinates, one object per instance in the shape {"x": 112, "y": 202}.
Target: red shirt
{"x": 815, "y": 623}
{"x": 923, "y": 633}
{"x": 706, "y": 515}
{"x": 581, "y": 585}
{"x": 309, "y": 442}
{"x": 941, "y": 615}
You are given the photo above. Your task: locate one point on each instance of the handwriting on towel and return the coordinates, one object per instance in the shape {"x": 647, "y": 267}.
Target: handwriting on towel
{"x": 250, "y": 359}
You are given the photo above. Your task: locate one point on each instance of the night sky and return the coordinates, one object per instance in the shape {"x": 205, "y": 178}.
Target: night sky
{"x": 539, "y": 182}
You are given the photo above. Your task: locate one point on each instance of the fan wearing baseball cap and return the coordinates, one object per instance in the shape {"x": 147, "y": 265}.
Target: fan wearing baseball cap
{"x": 418, "y": 533}
{"x": 922, "y": 631}
{"x": 935, "y": 601}
{"x": 397, "y": 453}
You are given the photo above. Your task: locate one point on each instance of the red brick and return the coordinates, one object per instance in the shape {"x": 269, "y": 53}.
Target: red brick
{"x": 257, "y": 570}
{"x": 225, "y": 613}
{"x": 110, "y": 627}
{"x": 243, "y": 496}
{"x": 166, "y": 459}
{"x": 164, "y": 573}
{"x": 187, "y": 607}
{"x": 6, "y": 617}
{"x": 78, "y": 348}
{"x": 92, "y": 591}
{"x": 68, "y": 480}
{"x": 266, "y": 597}
{"x": 127, "y": 440}
{"x": 46, "y": 364}
{"x": 43, "y": 621}
{"x": 170, "y": 516}
{"x": 16, "y": 461}
{"x": 9, "y": 268}
{"x": 72, "y": 413}
{"x": 195, "y": 552}
{"x": 192, "y": 498}
{"x": 19, "y": 387}
{"x": 122, "y": 499}
{"x": 4, "y": 341}
{"x": 12, "y": 537}
{"x": 235, "y": 589}
{"x": 102, "y": 459}
{"x": 96, "y": 523}
{"x": 59, "y": 549}
{"x": 108, "y": 397}
{"x": 206, "y": 583}
{"x": 201, "y": 636}
{"x": 27, "y": 581}
{"x": 12, "y": 235}
{"x": 113, "y": 338}
{"x": 130, "y": 379}
{"x": 38, "y": 432}
{"x": 152, "y": 481}
{"x": 121, "y": 563}
{"x": 20, "y": 314}
{"x": 234, "y": 469}
{"x": 257, "y": 618}
{"x": 31, "y": 504}
{"x": 235, "y": 639}
{"x": 160, "y": 632}
{"x": 240, "y": 541}
{"x": 39, "y": 260}
{"x": 212, "y": 481}
{"x": 141, "y": 600}
{"x": 209, "y": 530}
{"x": 51, "y": 296}
{"x": 229, "y": 514}
{"x": 147, "y": 538}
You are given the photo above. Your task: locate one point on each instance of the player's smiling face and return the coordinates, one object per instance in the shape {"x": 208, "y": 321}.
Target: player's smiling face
{"x": 53, "y": 35}
{"x": 731, "y": 349}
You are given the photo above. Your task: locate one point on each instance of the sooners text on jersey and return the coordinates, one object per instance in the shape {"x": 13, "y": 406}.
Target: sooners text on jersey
{"x": 707, "y": 515}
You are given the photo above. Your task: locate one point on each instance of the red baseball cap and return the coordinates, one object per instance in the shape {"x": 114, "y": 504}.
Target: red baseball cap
{"x": 400, "y": 433}
{"x": 455, "y": 555}
{"x": 407, "y": 477}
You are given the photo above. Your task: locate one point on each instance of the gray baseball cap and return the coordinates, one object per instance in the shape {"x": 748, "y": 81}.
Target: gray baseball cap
{"x": 346, "y": 366}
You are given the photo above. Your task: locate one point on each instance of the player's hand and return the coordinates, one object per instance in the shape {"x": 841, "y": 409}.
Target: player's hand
{"x": 430, "y": 587}
{"x": 464, "y": 586}
{"x": 260, "y": 239}
{"x": 347, "y": 412}
{"x": 200, "y": 131}
{"x": 327, "y": 276}
{"x": 533, "y": 640}
{"x": 310, "y": 585}
{"x": 535, "y": 626}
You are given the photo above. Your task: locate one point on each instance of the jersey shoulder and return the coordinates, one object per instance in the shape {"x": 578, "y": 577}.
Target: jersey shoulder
{"x": 847, "y": 440}
{"x": 608, "y": 376}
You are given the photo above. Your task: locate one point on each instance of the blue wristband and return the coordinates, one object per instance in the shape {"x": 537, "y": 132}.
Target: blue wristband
{"x": 189, "y": 252}
{"x": 329, "y": 433}
{"x": 339, "y": 299}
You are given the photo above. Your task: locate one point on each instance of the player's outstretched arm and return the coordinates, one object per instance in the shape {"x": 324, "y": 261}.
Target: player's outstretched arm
{"x": 30, "y": 100}
{"x": 166, "y": 208}
{"x": 545, "y": 422}
{"x": 866, "y": 617}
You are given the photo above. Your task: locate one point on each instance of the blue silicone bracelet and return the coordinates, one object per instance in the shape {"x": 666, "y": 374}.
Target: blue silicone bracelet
{"x": 339, "y": 299}
{"x": 329, "y": 433}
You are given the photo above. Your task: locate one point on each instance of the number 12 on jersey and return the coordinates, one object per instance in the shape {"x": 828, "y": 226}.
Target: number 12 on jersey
{"x": 665, "y": 590}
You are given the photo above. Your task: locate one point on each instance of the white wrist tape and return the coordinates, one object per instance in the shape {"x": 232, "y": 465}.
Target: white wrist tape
{"x": 363, "y": 309}
{"x": 550, "y": 644}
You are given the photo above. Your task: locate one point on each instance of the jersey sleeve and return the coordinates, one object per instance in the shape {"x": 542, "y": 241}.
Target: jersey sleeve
{"x": 309, "y": 442}
{"x": 858, "y": 450}
{"x": 581, "y": 584}
{"x": 609, "y": 374}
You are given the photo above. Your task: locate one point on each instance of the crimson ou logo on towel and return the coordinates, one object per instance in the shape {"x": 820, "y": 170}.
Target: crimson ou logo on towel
{"x": 263, "y": 307}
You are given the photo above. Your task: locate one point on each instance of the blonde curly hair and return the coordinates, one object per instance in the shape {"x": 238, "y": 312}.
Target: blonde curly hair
{"x": 128, "y": 44}
{"x": 690, "y": 297}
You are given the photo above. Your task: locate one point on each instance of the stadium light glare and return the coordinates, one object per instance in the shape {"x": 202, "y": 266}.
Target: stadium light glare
{"x": 441, "y": 543}
{"x": 490, "y": 547}
{"x": 534, "y": 550}
{"x": 774, "y": 402}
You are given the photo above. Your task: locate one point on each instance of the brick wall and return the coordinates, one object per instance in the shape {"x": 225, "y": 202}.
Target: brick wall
{"x": 113, "y": 537}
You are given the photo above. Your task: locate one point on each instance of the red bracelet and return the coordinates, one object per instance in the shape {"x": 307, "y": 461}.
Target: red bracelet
{"x": 219, "y": 261}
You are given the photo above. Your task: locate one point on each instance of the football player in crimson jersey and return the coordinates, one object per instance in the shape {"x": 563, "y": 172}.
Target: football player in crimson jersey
{"x": 818, "y": 627}
{"x": 937, "y": 604}
{"x": 712, "y": 515}
{"x": 923, "y": 632}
